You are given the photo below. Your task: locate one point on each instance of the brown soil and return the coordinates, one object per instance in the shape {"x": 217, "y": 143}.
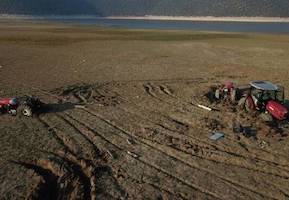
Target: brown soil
{"x": 122, "y": 121}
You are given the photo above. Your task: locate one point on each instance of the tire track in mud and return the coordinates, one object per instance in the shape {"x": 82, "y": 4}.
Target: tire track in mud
{"x": 82, "y": 133}
{"x": 66, "y": 143}
{"x": 122, "y": 149}
{"x": 160, "y": 116}
{"x": 99, "y": 89}
{"x": 154, "y": 90}
{"x": 89, "y": 136}
{"x": 89, "y": 166}
{"x": 92, "y": 146}
{"x": 205, "y": 143}
{"x": 258, "y": 170}
{"x": 57, "y": 180}
{"x": 100, "y": 137}
{"x": 149, "y": 90}
{"x": 153, "y": 185}
{"x": 184, "y": 160}
{"x": 82, "y": 167}
{"x": 230, "y": 183}
{"x": 145, "y": 178}
{"x": 206, "y": 149}
{"x": 164, "y": 88}
{"x": 284, "y": 192}
{"x": 201, "y": 129}
{"x": 106, "y": 141}
{"x": 83, "y": 170}
{"x": 71, "y": 176}
{"x": 47, "y": 187}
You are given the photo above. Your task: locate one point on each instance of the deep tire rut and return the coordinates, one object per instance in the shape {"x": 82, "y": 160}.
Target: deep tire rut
{"x": 157, "y": 149}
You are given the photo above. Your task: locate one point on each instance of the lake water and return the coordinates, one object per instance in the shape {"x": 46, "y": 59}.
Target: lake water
{"x": 255, "y": 27}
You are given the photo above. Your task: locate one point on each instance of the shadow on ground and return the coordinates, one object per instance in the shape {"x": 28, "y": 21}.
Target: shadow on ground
{"x": 286, "y": 103}
{"x": 55, "y": 108}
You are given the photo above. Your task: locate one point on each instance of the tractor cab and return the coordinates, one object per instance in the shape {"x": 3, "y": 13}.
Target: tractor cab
{"x": 264, "y": 91}
{"x": 267, "y": 97}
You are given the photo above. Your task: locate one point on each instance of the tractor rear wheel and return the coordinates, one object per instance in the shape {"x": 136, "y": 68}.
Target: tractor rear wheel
{"x": 26, "y": 111}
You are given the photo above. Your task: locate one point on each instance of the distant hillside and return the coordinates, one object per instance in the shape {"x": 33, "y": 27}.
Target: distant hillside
{"x": 47, "y": 7}
{"x": 266, "y": 8}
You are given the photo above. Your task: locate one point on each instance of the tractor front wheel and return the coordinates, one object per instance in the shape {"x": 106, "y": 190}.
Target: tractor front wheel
{"x": 26, "y": 111}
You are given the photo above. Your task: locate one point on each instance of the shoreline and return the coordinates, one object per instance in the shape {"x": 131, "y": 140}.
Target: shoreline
{"x": 156, "y": 18}
{"x": 204, "y": 19}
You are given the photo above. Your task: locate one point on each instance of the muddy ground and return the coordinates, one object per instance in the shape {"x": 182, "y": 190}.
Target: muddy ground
{"x": 122, "y": 121}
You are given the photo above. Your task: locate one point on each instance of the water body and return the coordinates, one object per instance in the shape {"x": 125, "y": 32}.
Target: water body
{"x": 254, "y": 27}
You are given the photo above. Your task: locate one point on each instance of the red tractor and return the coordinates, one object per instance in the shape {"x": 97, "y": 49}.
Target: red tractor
{"x": 267, "y": 98}
{"x": 230, "y": 92}
{"x": 9, "y": 105}
{"x": 26, "y": 105}
{"x": 224, "y": 91}
{"x": 260, "y": 96}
